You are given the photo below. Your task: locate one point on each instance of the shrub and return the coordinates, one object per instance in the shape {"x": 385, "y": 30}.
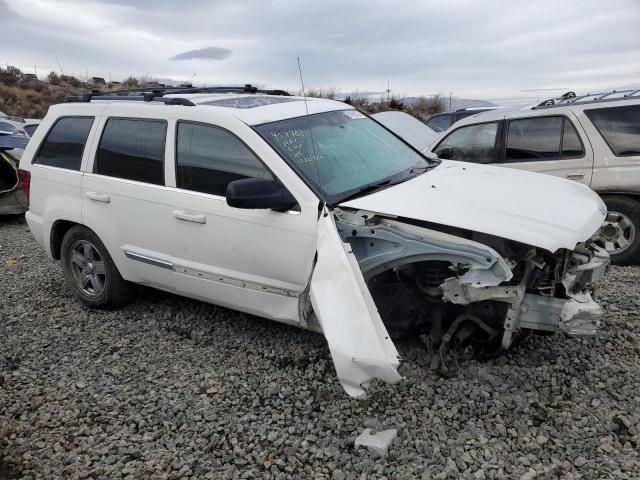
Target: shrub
{"x": 53, "y": 78}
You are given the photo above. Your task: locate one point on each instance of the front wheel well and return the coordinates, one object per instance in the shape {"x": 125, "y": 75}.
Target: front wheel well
{"x": 58, "y": 231}
{"x": 631, "y": 195}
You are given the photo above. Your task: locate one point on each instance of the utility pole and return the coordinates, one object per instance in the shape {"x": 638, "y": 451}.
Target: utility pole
{"x": 388, "y": 91}
{"x": 59, "y": 66}
{"x": 450, "y": 108}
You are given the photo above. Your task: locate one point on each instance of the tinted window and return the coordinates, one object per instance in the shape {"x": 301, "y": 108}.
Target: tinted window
{"x": 30, "y": 129}
{"x": 64, "y": 145}
{"x": 462, "y": 115}
{"x": 571, "y": 145}
{"x": 474, "y": 143}
{"x": 439, "y": 123}
{"x": 208, "y": 158}
{"x": 534, "y": 139}
{"x": 620, "y": 127}
{"x": 132, "y": 149}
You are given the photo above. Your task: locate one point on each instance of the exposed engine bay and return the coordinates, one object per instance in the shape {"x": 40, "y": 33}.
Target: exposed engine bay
{"x": 461, "y": 290}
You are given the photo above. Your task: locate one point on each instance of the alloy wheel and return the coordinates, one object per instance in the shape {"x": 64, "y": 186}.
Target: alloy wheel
{"x": 88, "y": 268}
{"x": 616, "y": 234}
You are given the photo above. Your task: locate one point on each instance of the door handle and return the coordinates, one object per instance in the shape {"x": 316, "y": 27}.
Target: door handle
{"x": 98, "y": 197}
{"x": 575, "y": 176}
{"x": 189, "y": 217}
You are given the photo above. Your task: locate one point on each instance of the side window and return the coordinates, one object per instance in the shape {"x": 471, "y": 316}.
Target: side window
{"x": 620, "y": 127}
{"x": 31, "y": 129}
{"x": 571, "y": 144}
{"x": 439, "y": 123}
{"x": 473, "y": 143}
{"x": 132, "y": 149}
{"x": 209, "y": 158}
{"x": 65, "y": 143}
{"x": 532, "y": 139}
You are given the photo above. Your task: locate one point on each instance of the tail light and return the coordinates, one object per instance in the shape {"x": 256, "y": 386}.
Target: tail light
{"x": 25, "y": 181}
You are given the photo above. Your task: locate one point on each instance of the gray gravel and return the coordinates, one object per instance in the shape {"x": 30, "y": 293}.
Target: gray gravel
{"x": 174, "y": 388}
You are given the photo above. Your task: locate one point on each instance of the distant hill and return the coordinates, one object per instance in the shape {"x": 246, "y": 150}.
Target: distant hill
{"x": 456, "y": 103}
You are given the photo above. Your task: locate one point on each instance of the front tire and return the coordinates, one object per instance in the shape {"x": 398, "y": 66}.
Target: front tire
{"x": 620, "y": 234}
{"x": 90, "y": 272}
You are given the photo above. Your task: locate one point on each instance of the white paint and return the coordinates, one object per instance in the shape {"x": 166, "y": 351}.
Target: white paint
{"x": 409, "y": 128}
{"x": 534, "y": 209}
{"x": 358, "y": 341}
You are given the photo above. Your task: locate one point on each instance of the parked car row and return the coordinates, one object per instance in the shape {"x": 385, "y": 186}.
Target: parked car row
{"x": 442, "y": 121}
{"x": 308, "y": 212}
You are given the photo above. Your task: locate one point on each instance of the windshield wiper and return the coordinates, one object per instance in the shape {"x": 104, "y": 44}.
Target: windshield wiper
{"x": 365, "y": 190}
{"x": 394, "y": 180}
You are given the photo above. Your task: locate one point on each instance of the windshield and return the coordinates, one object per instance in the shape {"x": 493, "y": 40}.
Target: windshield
{"x": 342, "y": 153}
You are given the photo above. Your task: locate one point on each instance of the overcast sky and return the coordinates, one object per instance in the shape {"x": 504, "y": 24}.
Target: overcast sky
{"x": 476, "y": 49}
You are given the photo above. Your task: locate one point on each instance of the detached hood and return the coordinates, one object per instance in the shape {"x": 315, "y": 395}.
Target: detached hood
{"x": 535, "y": 209}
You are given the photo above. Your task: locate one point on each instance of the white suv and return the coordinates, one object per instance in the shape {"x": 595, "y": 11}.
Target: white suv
{"x": 591, "y": 139}
{"x": 306, "y": 211}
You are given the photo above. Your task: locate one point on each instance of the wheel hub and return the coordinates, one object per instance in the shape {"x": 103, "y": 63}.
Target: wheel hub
{"x": 616, "y": 234}
{"x": 88, "y": 269}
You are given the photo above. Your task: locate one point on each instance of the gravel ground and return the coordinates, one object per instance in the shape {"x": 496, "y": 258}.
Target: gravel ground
{"x": 174, "y": 388}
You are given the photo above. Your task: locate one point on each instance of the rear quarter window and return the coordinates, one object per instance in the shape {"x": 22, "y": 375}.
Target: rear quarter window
{"x": 620, "y": 128}
{"x": 64, "y": 144}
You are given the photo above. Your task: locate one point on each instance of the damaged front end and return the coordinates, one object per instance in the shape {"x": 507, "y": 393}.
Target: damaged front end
{"x": 455, "y": 288}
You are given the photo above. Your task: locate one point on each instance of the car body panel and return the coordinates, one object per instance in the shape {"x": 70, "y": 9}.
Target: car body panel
{"x": 409, "y": 128}
{"x": 359, "y": 343}
{"x": 503, "y": 202}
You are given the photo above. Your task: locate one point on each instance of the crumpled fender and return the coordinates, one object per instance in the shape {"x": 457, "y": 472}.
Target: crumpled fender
{"x": 358, "y": 340}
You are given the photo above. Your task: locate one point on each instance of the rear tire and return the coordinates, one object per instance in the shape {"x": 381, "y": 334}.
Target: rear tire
{"x": 620, "y": 234}
{"x": 90, "y": 272}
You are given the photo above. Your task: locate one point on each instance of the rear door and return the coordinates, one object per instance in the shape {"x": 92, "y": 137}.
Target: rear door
{"x": 547, "y": 144}
{"x": 124, "y": 196}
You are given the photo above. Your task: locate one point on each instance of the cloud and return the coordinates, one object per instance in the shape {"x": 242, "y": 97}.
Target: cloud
{"x": 473, "y": 49}
{"x": 5, "y": 12}
{"x": 208, "y": 53}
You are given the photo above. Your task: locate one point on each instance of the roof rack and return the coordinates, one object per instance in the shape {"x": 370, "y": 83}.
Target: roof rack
{"x": 471, "y": 109}
{"x": 148, "y": 94}
{"x": 570, "y": 98}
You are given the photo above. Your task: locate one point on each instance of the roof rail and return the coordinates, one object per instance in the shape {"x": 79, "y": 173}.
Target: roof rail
{"x": 570, "y": 98}
{"x": 157, "y": 94}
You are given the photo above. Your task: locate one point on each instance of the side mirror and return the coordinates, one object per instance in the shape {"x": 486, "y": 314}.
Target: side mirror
{"x": 259, "y": 193}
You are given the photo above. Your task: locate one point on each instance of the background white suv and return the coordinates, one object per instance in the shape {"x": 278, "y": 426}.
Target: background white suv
{"x": 592, "y": 139}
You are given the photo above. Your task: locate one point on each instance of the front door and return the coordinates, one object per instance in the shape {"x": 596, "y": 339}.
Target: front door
{"x": 257, "y": 261}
